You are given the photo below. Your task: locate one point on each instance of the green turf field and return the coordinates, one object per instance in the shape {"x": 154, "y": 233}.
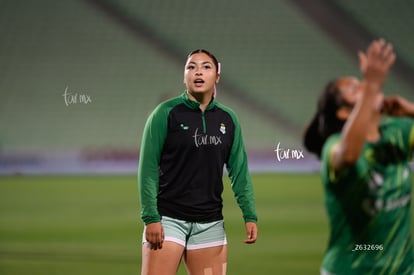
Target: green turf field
{"x": 90, "y": 225}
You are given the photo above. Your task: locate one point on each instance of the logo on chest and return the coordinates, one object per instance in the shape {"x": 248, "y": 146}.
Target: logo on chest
{"x": 201, "y": 139}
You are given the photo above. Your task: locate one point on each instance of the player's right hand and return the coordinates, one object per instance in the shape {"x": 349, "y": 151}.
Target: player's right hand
{"x": 154, "y": 234}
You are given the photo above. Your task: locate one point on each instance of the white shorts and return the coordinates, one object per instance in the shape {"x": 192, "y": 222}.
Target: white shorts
{"x": 193, "y": 235}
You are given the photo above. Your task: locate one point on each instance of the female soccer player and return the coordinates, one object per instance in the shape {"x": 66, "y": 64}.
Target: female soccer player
{"x": 187, "y": 141}
{"x": 365, "y": 170}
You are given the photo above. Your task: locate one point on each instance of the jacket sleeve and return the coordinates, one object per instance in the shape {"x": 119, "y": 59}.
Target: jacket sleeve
{"x": 241, "y": 182}
{"x": 155, "y": 132}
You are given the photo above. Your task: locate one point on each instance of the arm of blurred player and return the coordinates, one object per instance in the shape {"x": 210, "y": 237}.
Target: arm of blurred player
{"x": 374, "y": 64}
{"x": 398, "y": 106}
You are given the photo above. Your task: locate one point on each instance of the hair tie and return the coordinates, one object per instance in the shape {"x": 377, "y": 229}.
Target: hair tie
{"x": 218, "y": 72}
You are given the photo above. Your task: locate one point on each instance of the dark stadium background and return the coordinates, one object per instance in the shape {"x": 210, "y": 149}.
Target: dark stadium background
{"x": 79, "y": 78}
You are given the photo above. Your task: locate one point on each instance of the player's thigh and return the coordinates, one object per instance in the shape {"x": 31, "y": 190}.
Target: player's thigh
{"x": 161, "y": 261}
{"x": 207, "y": 261}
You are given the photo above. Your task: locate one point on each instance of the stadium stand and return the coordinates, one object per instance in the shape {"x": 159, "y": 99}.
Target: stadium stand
{"x": 391, "y": 20}
{"x": 124, "y": 57}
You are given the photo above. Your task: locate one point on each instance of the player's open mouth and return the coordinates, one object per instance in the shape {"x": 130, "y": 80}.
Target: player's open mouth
{"x": 198, "y": 82}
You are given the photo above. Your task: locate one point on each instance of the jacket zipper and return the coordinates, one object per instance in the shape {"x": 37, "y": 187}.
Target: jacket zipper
{"x": 203, "y": 119}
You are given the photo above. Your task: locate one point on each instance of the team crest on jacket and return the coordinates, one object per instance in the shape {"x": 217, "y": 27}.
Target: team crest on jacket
{"x": 222, "y": 128}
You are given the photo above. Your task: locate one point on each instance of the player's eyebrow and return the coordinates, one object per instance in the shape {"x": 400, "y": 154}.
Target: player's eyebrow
{"x": 201, "y": 62}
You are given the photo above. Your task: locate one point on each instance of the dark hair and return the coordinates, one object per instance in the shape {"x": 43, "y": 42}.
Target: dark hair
{"x": 325, "y": 122}
{"x": 216, "y": 63}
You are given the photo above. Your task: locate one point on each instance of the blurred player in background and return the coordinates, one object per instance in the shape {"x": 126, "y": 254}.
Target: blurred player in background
{"x": 365, "y": 170}
{"x": 187, "y": 141}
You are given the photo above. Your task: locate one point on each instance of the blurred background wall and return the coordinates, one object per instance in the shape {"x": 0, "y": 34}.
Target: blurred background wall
{"x": 78, "y": 78}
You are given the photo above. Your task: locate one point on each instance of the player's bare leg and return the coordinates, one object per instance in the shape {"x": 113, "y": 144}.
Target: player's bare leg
{"x": 206, "y": 261}
{"x": 165, "y": 260}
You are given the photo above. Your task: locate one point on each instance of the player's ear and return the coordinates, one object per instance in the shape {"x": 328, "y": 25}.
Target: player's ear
{"x": 218, "y": 72}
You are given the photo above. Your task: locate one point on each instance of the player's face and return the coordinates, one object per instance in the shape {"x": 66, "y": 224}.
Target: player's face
{"x": 200, "y": 74}
{"x": 352, "y": 89}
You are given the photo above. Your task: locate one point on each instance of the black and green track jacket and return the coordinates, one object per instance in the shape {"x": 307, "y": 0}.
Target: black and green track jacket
{"x": 182, "y": 156}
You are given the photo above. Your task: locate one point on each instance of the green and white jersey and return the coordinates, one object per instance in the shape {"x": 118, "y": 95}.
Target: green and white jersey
{"x": 182, "y": 157}
{"x": 369, "y": 205}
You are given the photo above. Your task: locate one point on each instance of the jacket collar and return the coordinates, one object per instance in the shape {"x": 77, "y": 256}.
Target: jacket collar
{"x": 195, "y": 105}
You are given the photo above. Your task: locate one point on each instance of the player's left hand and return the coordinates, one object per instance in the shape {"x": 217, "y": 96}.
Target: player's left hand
{"x": 251, "y": 232}
{"x": 397, "y": 106}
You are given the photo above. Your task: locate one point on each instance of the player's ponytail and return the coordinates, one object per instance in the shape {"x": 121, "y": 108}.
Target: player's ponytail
{"x": 325, "y": 122}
